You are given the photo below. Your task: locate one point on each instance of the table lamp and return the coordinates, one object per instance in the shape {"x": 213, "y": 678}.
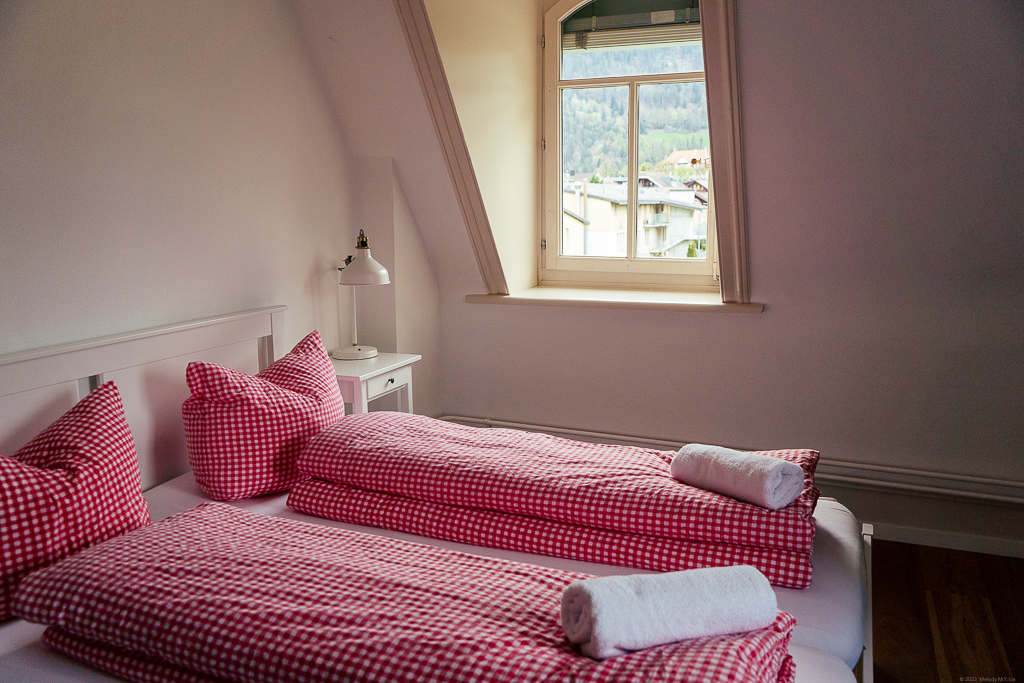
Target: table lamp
{"x": 359, "y": 270}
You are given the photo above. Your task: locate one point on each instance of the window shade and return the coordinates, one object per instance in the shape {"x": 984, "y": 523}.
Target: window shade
{"x": 626, "y": 37}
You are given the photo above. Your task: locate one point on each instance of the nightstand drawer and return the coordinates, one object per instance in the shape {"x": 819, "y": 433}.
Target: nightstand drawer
{"x": 382, "y": 384}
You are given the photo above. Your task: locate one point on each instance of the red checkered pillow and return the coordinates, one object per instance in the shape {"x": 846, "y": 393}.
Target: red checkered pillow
{"x": 244, "y": 433}
{"x": 74, "y": 485}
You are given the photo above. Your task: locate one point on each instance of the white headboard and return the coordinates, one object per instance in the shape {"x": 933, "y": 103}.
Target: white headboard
{"x": 148, "y": 367}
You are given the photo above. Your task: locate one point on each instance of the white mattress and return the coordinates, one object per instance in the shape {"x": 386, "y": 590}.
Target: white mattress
{"x": 36, "y": 663}
{"x": 827, "y": 640}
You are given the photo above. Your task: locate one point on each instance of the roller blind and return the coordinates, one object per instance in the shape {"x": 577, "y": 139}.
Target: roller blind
{"x": 625, "y": 30}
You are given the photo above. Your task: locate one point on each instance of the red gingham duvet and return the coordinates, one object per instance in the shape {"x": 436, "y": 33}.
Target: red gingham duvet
{"x": 618, "y": 488}
{"x": 534, "y": 535}
{"x": 217, "y": 593}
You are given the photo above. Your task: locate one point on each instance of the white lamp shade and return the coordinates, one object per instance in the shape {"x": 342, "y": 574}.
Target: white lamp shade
{"x": 364, "y": 270}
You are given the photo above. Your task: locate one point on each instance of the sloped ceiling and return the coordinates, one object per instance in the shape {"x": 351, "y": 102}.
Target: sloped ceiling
{"x": 359, "y": 50}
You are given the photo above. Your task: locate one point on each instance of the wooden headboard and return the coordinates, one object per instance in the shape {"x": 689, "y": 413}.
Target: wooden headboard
{"x": 148, "y": 367}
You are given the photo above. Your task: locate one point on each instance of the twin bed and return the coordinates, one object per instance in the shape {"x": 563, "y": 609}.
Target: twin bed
{"x": 832, "y": 614}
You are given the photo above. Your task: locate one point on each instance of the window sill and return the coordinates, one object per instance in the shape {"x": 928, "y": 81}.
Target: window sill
{"x": 616, "y": 298}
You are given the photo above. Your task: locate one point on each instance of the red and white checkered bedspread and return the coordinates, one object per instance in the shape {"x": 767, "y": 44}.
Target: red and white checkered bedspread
{"x": 217, "y": 593}
{"x": 542, "y": 536}
{"x": 618, "y": 488}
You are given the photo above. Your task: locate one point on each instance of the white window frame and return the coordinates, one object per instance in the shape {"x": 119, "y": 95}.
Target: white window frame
{"x": 726, "y": 205}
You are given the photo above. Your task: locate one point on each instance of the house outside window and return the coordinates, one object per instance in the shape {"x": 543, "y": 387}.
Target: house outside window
{"x": 628, "y": 191}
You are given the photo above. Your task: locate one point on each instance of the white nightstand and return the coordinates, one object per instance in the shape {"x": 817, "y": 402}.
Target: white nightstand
{"x": 362, "y": 381}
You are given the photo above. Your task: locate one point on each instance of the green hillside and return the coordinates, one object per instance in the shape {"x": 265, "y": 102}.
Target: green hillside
{"x": 594, "y": 128}
{"x": 674, "y": 140}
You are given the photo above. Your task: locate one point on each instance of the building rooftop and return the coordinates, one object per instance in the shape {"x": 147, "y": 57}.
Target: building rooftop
{"x": 682, "y": 157}
{"x": 616, "y": 193}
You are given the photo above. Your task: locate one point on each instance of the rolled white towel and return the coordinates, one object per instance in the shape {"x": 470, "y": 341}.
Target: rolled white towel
{"x": 611, "y": 615}
{"x": 759, "y": 479}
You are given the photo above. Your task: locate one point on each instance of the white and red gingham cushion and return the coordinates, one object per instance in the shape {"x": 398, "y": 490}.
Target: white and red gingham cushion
{"x": 542, "y": 536}
{"x": 245, "y": 432}
{"x": 233, "y": 595}
{"x": 618, "y": 488}
{"x": 75, "y": 484}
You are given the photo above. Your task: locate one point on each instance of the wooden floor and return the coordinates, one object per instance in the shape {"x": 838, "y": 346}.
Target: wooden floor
{"x": 946, "y": 615}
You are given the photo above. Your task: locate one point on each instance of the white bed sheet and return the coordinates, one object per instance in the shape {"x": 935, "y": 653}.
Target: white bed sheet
{"x": 36, "y": 663}
{"x": 827, "y": 640}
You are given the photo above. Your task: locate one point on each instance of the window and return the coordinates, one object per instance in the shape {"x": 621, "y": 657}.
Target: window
{"x": 629, "y": 198}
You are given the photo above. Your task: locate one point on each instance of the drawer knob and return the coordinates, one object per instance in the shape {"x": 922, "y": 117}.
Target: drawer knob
{"x": 391, "y": 380}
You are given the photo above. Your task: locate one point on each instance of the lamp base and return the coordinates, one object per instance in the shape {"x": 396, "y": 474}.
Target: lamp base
{"x": 355, "y": 352}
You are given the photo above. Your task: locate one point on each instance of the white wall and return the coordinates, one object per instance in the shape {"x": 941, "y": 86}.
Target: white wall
{"x": 404, "y": 316}
{"x": 162, "y": 162}
{"x": 883, "y": 146}
{"x": 418, "y": 309}
{"x": 361, "y": 56}
{"x": 491, "y": 58}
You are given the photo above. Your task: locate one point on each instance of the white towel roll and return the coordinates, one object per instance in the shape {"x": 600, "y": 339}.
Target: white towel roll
{"x": 611, "y": 615}
{"x": 759, "y": 479}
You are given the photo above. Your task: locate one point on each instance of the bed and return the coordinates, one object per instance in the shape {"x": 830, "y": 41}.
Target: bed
{"x": 148, "y": 367}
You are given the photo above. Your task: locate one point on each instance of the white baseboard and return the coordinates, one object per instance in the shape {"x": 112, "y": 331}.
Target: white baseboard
{"x": 921, "y": 482}
{"x": 950, "y": 539}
